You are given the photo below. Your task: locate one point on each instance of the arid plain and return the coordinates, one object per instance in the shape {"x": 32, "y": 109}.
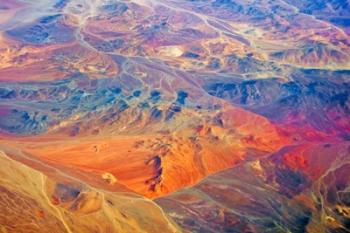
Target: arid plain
{"x": 175, "y": 116}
